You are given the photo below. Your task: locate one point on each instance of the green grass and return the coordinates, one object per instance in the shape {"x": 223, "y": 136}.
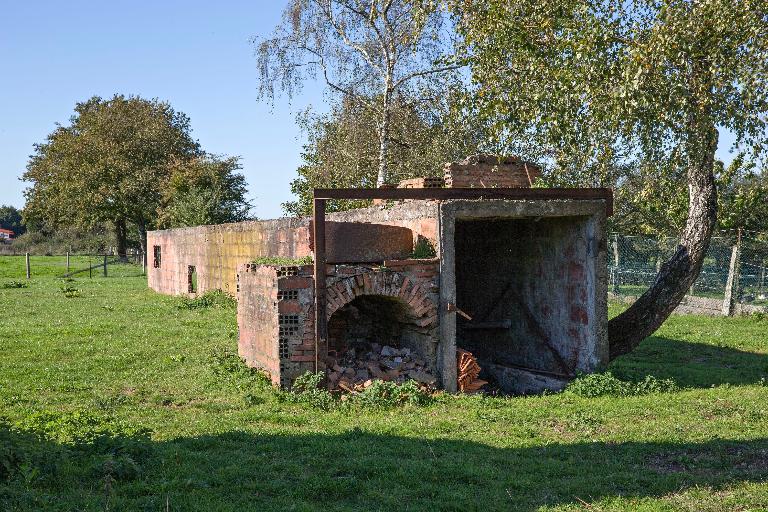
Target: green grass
{"x": 122, "y": 399}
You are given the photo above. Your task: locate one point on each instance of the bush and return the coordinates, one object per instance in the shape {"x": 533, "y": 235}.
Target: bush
{"x": 381, "y": 394}
{"x": 282, "y": 262}
{"x": 605, "y": 384}
{"x": 14, "y": 284}
{"x": 211, "y": 299}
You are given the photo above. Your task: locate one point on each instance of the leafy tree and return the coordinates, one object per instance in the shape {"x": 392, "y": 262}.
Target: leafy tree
{"x": 599, "y": 84}
{"x": 653, "y": 200}
{"x": 342, "y": 149}
{"x": 10, "y": 218}
{"x": 370, "y": 52}
{"x": 205, "y": 190}
{"x": 112, "y": 163}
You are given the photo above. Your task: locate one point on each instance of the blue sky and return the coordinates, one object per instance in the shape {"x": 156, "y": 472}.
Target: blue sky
{"x": 194, "y": 54}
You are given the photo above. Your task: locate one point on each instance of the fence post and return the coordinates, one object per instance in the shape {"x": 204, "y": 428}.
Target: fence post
{"x": 143, "y": 263}
{"x": 105, "y": 265}
{"x": 67, "y": 262}
{"x": 732, "y": 285}
{"x": 616, "y": 262}
{"x": 90, "y": 268}
{"x": 29, "y": 274}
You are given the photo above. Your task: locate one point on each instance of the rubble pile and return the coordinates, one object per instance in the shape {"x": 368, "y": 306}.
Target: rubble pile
{"x": 357, "y": 368}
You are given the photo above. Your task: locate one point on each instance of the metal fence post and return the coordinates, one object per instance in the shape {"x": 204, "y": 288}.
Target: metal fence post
{"x": 616, "y": 262}
{"x": 143, "y": 263}
{"x": 67, "y": 262}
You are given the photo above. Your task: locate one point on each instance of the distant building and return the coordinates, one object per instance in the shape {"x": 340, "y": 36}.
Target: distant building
{"x": 6, "y": 234}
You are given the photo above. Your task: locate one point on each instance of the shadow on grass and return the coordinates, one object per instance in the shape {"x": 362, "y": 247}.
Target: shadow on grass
{"x": 357, "y": 470}
{"x": 694, "y": 365}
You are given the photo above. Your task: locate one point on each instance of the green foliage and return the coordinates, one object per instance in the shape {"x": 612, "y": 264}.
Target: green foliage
{"x": 14, "y": 284}
{"x": 79, "y": 427}
{"x": 10, "y": 218}
{"x": 382, "y": 394}
{"x": 210, "y": 299}
{"x": 342, "y": 149}
{"x": 306, "y": 390}
{"x": 377, "y": 59}
{"x": 423, "y": 249}
{"x": 204, "y": 190}
{"x": 282, "y": 262}
{"x": 124, "y": 160}
{"x": 69, "y": 291}
{"x": 595, "y": 84}
{"x": 605, "y": 384}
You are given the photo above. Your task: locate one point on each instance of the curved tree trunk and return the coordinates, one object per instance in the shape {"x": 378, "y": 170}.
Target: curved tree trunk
{"x": 121, "y": 236}
{"x": 676, "y": 276}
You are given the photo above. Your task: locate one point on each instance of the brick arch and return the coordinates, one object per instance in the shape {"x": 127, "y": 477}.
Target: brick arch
{"x": 413, "y": 292}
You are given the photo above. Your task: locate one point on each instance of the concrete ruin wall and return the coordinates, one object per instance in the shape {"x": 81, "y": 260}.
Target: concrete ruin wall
{"x": 217, "y": 251}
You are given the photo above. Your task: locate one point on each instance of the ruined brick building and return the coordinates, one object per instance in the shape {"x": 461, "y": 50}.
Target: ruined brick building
{"x": 520, "y": 282}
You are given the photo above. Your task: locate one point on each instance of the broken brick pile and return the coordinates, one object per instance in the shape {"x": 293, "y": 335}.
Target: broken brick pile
{"x": 276, "y": 310}
{"x": 357, "y": 368}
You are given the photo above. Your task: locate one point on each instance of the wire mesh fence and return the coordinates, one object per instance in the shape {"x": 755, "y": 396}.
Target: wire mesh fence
{"x": 634, "y": 261}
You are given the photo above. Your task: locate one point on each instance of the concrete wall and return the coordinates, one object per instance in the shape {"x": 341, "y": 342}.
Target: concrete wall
{"x": 217, "y": 251}
{"x": 513, "y": 261}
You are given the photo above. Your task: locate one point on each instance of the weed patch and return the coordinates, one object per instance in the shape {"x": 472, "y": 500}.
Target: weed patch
{"x": 283, "y": 262}
{"x": 605, "y": 384}
{"x": 9, "y": 285}
{"x": 69, "y": 292}
{"x": 211, "y": 299}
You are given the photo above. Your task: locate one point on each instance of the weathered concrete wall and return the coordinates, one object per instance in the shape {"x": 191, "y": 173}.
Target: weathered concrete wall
{"x": 217, "y": 251}
{"x": 536, "y": 267}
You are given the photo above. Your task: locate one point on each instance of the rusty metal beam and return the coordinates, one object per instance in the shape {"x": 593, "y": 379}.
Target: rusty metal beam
{"x": 443, "y": 194}
{"x": 321, "y": 322}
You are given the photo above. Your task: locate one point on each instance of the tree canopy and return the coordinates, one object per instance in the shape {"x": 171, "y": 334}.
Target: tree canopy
{"x": 597, "y": 85}
{"x": 10, "y": 218}
{"x": 375, "y": 53}
{"x": 342, "y": 148}
{"x": 116, "y": 162}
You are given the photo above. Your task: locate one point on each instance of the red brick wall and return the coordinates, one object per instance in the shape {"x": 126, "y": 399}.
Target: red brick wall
{"x": 275, "y": 312}
{"x": 257, "y": 318}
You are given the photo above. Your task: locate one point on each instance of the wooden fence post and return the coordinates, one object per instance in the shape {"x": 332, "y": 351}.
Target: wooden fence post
{"x": 143, "y": 263}
{"x": 105, "y": 265}
{"x": 732, "y": 285}
{"x": 67, "y": 262}
{"x": 616, "y": 262}
{"x": 29, "y": 273}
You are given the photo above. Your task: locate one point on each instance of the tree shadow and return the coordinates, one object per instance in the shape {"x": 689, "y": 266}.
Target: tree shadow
{"x": 694, "y": 365}
{"x": 356, "y": 470}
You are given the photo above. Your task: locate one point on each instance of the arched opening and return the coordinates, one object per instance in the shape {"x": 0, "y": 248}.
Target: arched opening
{"x": 377, "y": 336}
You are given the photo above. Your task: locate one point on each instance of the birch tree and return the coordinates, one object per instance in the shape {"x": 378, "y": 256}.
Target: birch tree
{"x": 598, "y": 82}
{"x": 372, "y": 52}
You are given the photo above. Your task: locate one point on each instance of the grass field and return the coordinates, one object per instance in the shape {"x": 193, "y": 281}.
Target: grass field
{"x": 113, "y": 397}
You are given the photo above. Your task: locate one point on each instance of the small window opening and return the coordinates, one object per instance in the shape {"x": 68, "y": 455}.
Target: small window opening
{"x": 157, "y": 256}
{"x": 192, "y": 278}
